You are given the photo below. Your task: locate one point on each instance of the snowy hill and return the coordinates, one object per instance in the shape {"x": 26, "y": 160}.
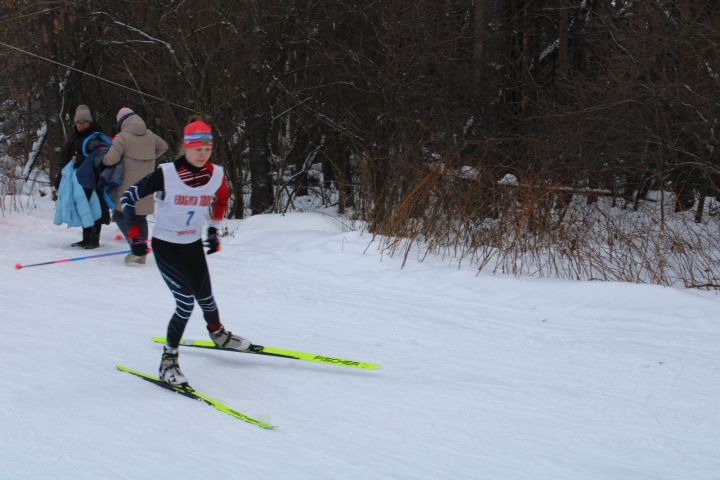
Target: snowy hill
{"x": 484, "y": 377}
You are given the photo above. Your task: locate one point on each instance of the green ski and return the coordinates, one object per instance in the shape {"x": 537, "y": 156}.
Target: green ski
{"x": 279, "y": 352}
{"x": 190, "y": 392}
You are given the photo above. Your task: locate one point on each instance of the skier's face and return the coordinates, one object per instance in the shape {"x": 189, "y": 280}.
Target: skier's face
{"x": 198, "y": 157}
{"x": 81, "y": 126}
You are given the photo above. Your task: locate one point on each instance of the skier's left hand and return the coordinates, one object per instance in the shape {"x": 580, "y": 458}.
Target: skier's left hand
{"x": 213, "y": 240}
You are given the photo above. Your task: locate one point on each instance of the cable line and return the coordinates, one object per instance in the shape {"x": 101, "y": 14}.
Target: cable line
{"x": 96, "y": 76}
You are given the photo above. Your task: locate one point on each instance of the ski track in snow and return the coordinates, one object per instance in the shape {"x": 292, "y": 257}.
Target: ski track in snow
{"x": 484, "y": 377}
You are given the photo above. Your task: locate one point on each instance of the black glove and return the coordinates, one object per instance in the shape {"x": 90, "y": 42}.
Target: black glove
{"x": 213, "y": 241}
{"x": 138, "y": 247}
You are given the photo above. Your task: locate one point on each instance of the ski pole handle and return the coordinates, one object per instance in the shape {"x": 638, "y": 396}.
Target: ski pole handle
{"x": 73, "y": 259}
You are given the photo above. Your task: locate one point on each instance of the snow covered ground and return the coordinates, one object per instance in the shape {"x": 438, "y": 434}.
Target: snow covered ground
{"x": 484, "y": 377}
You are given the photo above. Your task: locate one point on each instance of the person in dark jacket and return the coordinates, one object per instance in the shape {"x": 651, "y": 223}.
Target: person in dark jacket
{"x": 84, "y": 127}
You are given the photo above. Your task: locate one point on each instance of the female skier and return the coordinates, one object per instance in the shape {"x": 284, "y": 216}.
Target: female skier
{"x": 187, "y": 192}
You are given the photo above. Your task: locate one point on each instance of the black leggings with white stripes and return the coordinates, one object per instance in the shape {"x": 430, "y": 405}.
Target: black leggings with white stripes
{"x": 185, "y": 271}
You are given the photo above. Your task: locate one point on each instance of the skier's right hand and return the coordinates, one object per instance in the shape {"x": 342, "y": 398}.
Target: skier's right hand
{"x": 138, "y": 246}
{"x": 138, "y": 243}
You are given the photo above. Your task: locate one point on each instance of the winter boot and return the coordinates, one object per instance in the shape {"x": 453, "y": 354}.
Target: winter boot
{"x": 139, "y": 259}
{"x": 224, "y": 339}
{"x": 93, "y": 238}
{"x": 84, "y": 240}
{"x": 170, "y": 369}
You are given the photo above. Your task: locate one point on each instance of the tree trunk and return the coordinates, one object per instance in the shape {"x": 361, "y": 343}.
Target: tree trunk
{"x": 261, "y": 191}
{"x": 526, "y": 60}
{"x": 487, "y": 61}
{"x": 563, "y": 36}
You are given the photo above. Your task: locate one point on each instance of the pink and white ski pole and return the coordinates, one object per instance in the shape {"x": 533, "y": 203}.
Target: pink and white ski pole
{"x": 18, "y": 266}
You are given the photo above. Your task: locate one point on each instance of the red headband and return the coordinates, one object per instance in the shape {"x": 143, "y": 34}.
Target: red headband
{"x": 197, "y": 134}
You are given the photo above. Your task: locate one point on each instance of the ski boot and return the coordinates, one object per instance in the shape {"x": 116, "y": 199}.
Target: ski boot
{"x": 224, "y": 339}
{"x": 170, "y": 369}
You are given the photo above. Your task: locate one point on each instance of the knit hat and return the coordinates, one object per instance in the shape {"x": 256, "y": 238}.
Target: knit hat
{"x": 197, "y": 134}
{"x": 123, "y": 112}
{"x": 82, "y": 114}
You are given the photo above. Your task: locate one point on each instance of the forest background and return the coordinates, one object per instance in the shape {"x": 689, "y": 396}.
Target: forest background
{"x": 566, "y": 138}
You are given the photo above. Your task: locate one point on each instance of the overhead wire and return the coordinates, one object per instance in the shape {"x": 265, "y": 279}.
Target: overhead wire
{"x": 25, "y": 15}
{"x": 70, "y": 67}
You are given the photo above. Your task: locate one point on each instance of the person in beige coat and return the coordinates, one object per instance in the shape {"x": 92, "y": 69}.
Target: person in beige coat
{"x": 138, "y": 148}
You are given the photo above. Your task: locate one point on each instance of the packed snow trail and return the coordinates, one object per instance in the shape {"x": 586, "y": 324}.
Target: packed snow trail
{"x": 483, "y": 377}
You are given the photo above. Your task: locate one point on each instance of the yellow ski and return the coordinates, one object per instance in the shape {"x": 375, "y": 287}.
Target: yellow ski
{"x": 190, "y": 392}
{"x": 279, "y": 352}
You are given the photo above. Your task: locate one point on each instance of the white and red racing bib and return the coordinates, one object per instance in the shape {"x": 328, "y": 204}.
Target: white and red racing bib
{"x": 183, "y": 211}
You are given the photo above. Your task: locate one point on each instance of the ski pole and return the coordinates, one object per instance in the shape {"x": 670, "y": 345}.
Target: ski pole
{"x": 74, "y": 259}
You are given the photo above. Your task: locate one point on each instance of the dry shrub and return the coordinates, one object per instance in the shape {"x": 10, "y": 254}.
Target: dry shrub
{"x": 533, "y": 230}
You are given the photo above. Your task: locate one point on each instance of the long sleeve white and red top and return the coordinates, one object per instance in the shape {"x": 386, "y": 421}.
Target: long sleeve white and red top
{"x": 186, "y": 197}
